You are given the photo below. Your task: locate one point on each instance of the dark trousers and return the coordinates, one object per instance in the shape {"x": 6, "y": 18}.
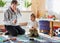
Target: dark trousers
{"x": 14, "y": 30}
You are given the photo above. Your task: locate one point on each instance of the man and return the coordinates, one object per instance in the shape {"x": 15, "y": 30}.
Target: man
{"x": 10, "y": 17}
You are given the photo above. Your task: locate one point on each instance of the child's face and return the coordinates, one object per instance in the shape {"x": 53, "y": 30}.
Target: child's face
{"x": 32, "y": 18}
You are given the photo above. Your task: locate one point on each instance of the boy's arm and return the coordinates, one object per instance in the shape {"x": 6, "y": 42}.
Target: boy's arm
{"x": 23, "y": 24}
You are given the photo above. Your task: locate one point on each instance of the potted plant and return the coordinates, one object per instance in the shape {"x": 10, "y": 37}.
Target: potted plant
{"x": 27, "y": 3}
{"x": 2, "y": 3}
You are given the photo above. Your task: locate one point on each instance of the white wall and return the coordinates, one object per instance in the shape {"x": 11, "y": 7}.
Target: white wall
{"x": 53, "y": 6}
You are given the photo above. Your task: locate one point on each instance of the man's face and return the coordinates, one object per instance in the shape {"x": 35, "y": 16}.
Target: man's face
{"x": 14, "y": 6}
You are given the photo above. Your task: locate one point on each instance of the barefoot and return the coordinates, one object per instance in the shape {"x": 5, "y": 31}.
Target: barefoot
{"x": 13, "y": 38}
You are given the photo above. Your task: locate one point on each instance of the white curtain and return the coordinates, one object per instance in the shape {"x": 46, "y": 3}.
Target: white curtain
{"x": 49, "y": 5}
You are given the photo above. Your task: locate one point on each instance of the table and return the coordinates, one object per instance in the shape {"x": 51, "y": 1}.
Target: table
{"x": 51, "y": 25}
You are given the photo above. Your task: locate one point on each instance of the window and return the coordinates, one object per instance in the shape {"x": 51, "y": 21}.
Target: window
{"x": 21, "y": 6}
{"x": 53, "y": 5}
{"x": 56, "y": 6}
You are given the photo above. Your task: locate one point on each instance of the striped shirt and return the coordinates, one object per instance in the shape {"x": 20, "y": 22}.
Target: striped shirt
{"x": 10, "y": 15}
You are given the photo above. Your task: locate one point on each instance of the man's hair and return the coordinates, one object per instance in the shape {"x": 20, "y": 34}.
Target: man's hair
{"x": 14, "y": 2}
{"x": 33, "y": 15}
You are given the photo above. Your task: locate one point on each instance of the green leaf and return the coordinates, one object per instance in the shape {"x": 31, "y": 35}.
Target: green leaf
{"x": 27, "y": 4}
{"x": 2, "y": 3}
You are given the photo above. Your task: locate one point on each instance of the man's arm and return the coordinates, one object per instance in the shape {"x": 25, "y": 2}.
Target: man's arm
{"x": 19, "y": 12}
{"x": 23, "y": 24}
{"x": 6, "y": 16}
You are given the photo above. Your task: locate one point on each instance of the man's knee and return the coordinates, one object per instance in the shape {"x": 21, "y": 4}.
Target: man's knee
{"x": 14, "y": 34}
{"x": 22, "y": 32}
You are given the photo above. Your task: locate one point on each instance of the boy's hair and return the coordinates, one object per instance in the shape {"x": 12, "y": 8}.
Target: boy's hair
{"x": 33, "y": 15}
{"x": 14, "y": 2}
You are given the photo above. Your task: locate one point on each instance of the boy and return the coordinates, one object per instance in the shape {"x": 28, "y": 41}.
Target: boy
{"x": 32, "y": 26}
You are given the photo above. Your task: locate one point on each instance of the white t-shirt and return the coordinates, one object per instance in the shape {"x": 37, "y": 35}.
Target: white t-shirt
{"x": 31, "y": 23}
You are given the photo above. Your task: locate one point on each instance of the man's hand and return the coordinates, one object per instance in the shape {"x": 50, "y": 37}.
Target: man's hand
{"x": 14, "y": 21}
